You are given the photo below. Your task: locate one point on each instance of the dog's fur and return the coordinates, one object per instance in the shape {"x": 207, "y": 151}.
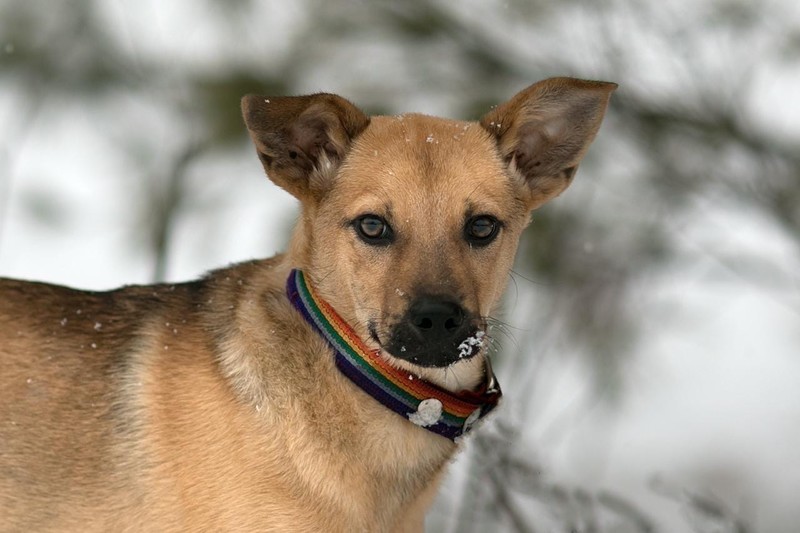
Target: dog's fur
{"x": 211, "y": 405}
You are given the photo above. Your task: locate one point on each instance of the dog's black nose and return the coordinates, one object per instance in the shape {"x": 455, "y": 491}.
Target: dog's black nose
{"x": 436, "y": 320}
{"x": 433, "y": 332}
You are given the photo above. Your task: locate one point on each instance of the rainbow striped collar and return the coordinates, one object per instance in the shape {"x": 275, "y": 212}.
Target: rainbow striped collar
{"x": 422, "y": 403}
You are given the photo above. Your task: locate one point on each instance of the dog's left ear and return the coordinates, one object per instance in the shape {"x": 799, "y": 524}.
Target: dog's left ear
{"x": 301, "y": 140}
{"x": 544, "y": 131}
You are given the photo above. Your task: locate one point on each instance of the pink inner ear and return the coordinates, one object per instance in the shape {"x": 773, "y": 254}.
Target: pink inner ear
{"x": 313, "y": 137}
{"x": 309, "y": 135}
{"x": 536, "y": 153}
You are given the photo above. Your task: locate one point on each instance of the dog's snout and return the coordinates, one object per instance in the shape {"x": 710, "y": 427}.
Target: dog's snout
{"x": 436, "y": 318}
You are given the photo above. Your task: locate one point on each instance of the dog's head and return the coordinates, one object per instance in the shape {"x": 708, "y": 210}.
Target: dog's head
{"x": 410, "y": 223}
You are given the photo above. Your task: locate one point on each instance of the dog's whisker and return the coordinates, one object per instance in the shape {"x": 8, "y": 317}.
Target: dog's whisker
{"x": 514, "y": 275}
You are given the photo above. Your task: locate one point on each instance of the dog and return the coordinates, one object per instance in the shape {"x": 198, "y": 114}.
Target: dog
{"x": 324, "y": 389}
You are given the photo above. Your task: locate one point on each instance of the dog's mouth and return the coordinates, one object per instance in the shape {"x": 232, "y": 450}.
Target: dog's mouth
{"x": 406, "y": 344}
{"x": 373, "y": 333}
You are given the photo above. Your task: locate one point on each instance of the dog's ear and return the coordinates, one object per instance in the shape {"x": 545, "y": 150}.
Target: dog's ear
{"x": 301, "y": 140}
{"x": 544, "y": 131}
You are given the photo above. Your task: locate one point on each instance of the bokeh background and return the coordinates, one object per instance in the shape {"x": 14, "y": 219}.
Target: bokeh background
{"x": 651, "y": 353}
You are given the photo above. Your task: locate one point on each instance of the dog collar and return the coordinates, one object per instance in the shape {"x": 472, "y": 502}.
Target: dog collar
{"x": 422, "y": 403}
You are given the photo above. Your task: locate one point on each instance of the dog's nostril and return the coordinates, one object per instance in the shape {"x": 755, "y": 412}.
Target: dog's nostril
{"x": 424, "y": 323}
{"x": 452, "y": 323}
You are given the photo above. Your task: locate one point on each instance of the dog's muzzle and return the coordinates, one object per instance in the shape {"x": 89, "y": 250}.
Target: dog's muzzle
{"x": 435, "y": 332}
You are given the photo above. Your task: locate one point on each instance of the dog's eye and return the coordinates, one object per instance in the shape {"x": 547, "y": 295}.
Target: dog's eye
{"x": 481, "y": 230}
{"x": 373, "y": 230}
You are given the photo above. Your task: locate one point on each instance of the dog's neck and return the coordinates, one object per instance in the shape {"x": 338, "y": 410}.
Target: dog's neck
{"x": 422, "y": 403}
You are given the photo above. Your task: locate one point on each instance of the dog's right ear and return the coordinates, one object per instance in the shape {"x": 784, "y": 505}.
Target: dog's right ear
{"x": 301, "y": 140}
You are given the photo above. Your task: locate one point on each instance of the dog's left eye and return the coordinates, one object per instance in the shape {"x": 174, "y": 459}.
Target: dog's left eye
{"x": 481, "y": 230}
{"x": 373, "y": 229}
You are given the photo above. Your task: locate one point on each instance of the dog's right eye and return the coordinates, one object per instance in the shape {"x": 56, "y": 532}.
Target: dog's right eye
{"x": 372, "y": 229}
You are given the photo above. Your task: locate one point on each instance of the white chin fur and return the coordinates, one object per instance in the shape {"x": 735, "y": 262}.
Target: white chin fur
{"x": 467, "y": 374}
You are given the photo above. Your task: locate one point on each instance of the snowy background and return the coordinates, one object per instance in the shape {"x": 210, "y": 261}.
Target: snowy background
{"x": 651, "y": 361}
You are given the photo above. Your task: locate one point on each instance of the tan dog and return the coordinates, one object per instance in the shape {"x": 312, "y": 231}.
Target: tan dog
{"x": 215, "y": 405}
